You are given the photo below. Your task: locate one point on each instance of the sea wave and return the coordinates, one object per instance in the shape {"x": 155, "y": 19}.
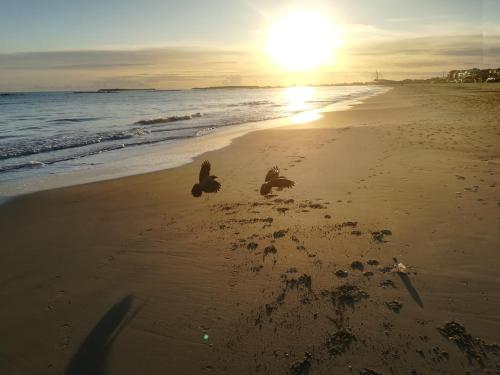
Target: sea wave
{"x": 11, "y": 93}
{"x": 205, "y": 131}
{"x": 76, "y": 119}
{"x": 252, "y": 103}
{"x": 34, "y": 139}
{"x": 89, "y": 144}
{"x": 162, "y": 120}
{"x": 85, "y": 153}
{"x": 50, "y": 144}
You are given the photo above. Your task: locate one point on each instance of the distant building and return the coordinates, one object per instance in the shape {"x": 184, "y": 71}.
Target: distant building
{"x": 474, "y": 75}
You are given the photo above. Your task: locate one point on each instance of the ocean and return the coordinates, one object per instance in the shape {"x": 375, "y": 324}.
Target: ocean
{"x": 53, "y": 139}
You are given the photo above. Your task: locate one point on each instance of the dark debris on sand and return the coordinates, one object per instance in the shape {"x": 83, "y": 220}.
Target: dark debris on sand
{"x": 270, "y": 308}
{"x": 341, "y": 273}
{"x": 252, "y": 246}
{"x": 350, "y": 224}
{"x": 280, "y": 233}
{"x": 284, "y": 201}
{"x": 357, "y": 265}
{"x": 256, "y": 269}
{"x": 302, "y": 367}
{"x": 474, "y": 348}
{"x": 229, "y": 206}
{"x": 347, "y": 295}
{"x": 369, "y": 371}
{"x": 439, "y": 355}
{"x": 304, "y": 280}
{"x": 395, "y": 306}
{"x": 271, "y": 249}
{"x": 387, "y": 269}
{"x": 387, "y": 284}
{"x": 313, "y": 205}
{"x": 339, "y": 342}
{"x": 378, "y": 236}
{"x": 253, "y": 220}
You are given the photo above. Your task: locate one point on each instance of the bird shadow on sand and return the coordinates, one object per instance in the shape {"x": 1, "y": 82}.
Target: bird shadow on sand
{"x": 91, "y": 357}
{"x": 411, "y": 289}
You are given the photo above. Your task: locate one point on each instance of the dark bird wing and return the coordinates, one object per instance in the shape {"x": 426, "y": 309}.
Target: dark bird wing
{"x": 273, "y": 173}
{"x": 204, "y": 171}
{"x": 211, "y": 186}
{"x": 281, "y": 183}
{"x": 265, "y": 189}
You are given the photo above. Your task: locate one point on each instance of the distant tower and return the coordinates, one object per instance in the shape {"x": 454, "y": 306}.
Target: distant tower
{"x": 376, "y": 75}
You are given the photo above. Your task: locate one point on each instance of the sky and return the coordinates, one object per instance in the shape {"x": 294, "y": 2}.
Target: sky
{"x": 73, "y": 44}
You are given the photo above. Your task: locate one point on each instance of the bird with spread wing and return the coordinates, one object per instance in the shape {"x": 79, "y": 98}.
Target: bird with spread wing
{"x": 207, "y": 183}
{"x": 273, "y": 179}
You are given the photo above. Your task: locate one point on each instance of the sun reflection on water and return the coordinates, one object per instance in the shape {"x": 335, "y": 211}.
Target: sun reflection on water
{"x": 300, "y": 102}
{"x": 305, "y": 117}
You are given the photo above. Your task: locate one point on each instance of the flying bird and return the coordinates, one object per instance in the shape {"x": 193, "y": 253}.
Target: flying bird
{"x": 273, "y": 179}
{"x": 207, "y": 183}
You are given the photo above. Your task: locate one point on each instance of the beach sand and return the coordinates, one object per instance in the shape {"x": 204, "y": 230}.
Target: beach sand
{"x": 135, "y": 276}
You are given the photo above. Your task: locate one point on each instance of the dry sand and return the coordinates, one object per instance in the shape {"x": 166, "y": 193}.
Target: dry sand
{"x": 127, "y": 276}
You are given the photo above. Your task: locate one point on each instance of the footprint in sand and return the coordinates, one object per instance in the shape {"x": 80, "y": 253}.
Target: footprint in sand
{"x": 58, "y": 298}
{"x": 65, "y": 333}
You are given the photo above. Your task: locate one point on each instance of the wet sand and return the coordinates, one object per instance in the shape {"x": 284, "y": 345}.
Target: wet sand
{"x": 135, "y": 276}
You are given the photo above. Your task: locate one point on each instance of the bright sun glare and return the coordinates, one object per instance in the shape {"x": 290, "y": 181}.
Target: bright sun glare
{"x": 299, "y": 103}
{"x": 302, "y": 41}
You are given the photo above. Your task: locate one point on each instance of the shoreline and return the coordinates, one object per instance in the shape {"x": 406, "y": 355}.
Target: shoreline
{"x": 189, "y": 149}
{"x": 237, "y": 283}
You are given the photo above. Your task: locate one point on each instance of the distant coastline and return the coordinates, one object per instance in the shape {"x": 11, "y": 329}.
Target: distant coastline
{"x": 110, "y": 91}
{"x": 465, "y": 76}
{"x": 117, "y": 90}
{"x": 490, "y": 75}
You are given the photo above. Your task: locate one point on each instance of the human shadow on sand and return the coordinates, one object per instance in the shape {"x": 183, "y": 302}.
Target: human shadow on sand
{"x": 90, "y": 359}
{"x": 411, "y": 289}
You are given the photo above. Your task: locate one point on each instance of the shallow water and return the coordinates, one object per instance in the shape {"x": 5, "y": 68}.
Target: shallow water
{"x": 50, "y": 139}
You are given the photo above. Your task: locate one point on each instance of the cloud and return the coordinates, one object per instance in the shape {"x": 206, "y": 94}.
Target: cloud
{"x": 108, "y": 58}
{"x": 426, "y": 54}
{"x": 397, "y": 54}
{"x": 169, "y": 67}
{"x": 422, "y": 19}
{"x": 233, "y": 80}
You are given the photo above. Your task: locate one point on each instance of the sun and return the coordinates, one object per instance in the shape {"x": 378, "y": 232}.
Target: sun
{"x": 302, "y": 41}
